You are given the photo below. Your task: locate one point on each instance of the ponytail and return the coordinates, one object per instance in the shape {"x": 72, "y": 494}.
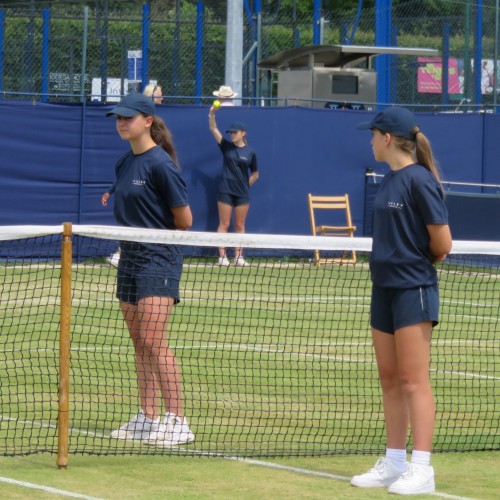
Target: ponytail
{"x": 424, "y": 154}
{"x": 162, "y": 136}
{"x": 423, "y": 151}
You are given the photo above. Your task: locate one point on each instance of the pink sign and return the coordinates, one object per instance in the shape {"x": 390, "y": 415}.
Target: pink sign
{"x": 429, "y": 76}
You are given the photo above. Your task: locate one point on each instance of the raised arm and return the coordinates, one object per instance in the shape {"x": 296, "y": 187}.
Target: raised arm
{"x": 212, "y": 125}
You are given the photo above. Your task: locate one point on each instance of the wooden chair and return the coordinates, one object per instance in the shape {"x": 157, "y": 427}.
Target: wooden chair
{"x": 328, "y": 203}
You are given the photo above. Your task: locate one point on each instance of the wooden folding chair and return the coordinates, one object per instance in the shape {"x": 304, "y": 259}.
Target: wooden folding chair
{"x": 332, "y": 203}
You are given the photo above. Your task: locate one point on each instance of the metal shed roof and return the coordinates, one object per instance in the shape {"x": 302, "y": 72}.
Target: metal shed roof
{"x": 334, "y": 56}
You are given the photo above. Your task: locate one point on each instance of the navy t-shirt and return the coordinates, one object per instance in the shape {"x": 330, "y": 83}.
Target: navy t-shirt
{"x": 147, "y": 187}
{"x": 407, "y": 201}
{"x": 237, "y": 163}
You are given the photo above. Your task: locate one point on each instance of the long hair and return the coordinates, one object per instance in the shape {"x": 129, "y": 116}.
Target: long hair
{"x": 422, "y": 149}
{"x": 162, "y": 136}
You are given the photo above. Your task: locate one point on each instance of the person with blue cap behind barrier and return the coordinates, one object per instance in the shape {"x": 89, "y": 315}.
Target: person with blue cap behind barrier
{"x": 239, "y": 173}
{"x": 410, "y": 235}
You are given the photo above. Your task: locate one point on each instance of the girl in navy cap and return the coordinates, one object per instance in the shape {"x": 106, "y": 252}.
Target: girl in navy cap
{"x": 150, "y": 193}
{"x": 410, "y": 234}
{"x": 239, "y": 172}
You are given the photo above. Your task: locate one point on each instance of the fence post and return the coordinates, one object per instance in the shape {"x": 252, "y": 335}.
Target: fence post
{"x": 199, "y": 52}
{"x": 383, "y": 23}
{"x": 64, "y": 348}
{"x": 45, "y": 53}
{"x": 145, "y": 46}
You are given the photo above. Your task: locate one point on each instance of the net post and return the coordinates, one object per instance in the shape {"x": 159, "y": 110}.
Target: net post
{"x": 64, "y": 347}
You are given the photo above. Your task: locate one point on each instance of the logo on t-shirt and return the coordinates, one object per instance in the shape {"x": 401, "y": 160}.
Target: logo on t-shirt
{"x": 395, "y": 204}
{"x": 138, "y": 182}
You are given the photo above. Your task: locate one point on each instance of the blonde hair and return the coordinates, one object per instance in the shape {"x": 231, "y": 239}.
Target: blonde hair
{"x": 150, "y": 89}
{"x": 422, "y": 149}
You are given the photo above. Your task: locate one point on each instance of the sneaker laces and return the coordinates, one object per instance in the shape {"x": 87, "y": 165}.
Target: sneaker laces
{"x": 379, "y": 465}
{"x": 410, "y": 471}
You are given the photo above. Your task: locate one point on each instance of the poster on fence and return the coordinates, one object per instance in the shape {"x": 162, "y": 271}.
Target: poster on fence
{"x": 429, "y": 75}
{"x": 487, "y": 75}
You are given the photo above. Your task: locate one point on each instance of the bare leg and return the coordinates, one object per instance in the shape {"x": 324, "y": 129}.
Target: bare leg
{"x": 157, "y": 368}
{"x": 413, "y": 352}
{"x": 240, "y": 216}
{"x": 225, "y": 212}
{"x": 395, "y": 407}
{"x": 146, "y": 379}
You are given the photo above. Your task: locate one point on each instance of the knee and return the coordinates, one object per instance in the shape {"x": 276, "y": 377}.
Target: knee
{"x": 409, "y": 384}
{"x": 389, "y": 380}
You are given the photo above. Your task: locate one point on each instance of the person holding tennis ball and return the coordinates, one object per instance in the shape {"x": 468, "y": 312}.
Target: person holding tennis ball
{"x": 150, "y": 193}
{"x": 410, "y": 235}
{"x": 239, "y": 173}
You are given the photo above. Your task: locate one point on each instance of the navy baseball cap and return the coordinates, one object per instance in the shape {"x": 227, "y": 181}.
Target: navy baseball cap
{"x": 234, "y": 127}
{"x": 133, "y": 104}
{"x": 397, "y": 121}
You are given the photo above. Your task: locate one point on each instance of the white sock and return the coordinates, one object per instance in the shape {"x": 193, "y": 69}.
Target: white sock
{"x": 421, "y": 457}
{"x": 397, "y": 457}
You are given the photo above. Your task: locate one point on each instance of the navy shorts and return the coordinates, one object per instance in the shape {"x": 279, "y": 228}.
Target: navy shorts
{"x": 233, "y": 200}
{"x": 131, "y": 289}
{"x": 393, "y": 308}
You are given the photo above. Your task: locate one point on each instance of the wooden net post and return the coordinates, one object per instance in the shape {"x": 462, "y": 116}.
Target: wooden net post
{"x": 64, "y": 348}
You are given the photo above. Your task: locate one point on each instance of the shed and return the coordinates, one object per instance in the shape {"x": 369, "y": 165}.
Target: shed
{"x": 329, "y": 75}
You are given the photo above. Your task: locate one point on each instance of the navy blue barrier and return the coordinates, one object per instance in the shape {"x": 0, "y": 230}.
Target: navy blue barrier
{"x": 58, "y": 159}
{"x": 472, "y": 216}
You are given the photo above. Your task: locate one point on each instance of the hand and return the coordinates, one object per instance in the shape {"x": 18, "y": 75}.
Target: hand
{"x": 213, "y": 109}
{"x": 104, "y": 199}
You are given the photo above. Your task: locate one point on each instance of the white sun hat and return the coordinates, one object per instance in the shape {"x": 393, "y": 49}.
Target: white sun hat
{"x": 225, "y": 92}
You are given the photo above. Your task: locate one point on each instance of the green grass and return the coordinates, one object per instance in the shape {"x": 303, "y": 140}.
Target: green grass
{"x": 276, "y": 361}
{"x": 471, "y": 475}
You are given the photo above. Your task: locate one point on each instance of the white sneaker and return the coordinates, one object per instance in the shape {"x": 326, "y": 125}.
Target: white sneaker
{"x": 114, "y": 259}
{"x": 416, "y": 480}
{"x": 172, "y": 432}
{"x": 223, "y": 261}
{"x": 383, "y": 474}
{"x": 140, "y": 427}
{"x": 240, "y": 261}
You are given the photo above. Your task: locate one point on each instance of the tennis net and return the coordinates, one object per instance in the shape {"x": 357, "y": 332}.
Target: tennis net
{"x": 276, "y": 357}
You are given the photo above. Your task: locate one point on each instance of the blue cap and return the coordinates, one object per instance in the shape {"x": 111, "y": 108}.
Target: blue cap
{"x": 234, "y": 127}
{"x": 397, "y": 121}
{"x": 133, "y": 104}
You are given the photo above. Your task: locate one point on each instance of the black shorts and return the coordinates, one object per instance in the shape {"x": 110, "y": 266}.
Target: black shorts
{"x": 131, "y": 289}
{"x": 233, "y": 200}
{"x": 393, "y": 308}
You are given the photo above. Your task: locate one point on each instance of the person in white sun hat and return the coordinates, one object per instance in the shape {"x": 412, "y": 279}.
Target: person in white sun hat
{"x": 226, "y": 95}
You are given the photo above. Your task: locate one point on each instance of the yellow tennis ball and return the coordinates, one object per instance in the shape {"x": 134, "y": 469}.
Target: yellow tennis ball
{"x": 216, "y": 104}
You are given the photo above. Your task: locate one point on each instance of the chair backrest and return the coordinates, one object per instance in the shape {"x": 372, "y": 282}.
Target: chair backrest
{"x": 330, "y": 203}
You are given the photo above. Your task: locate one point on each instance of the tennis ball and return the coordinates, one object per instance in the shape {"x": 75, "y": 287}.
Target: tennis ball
{"x": 216, "y": 104}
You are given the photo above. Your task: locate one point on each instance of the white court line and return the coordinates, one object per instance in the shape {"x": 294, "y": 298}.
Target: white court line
{"x": 47, "y": 489}
{"x": 323, "y": 474}
{"x": 249, "y": 461}
{"x": 280, "y": 349}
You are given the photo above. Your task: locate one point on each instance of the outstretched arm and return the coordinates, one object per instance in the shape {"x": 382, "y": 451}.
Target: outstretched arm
{"x": 213, "y": 126}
